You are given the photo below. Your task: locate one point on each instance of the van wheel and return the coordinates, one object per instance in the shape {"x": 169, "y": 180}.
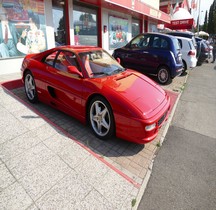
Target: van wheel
{"x": 163, "y": 75}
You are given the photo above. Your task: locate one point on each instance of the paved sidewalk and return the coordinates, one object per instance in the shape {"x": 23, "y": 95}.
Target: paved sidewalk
{"x": 41, "y": 167}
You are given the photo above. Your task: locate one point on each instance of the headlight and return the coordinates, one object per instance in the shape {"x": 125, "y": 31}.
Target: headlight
{"x": 150, "y": 127}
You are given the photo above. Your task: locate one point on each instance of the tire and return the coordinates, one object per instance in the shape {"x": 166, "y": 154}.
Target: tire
{"x": 184, "y": 67}
{"x": 100, "y": 117}
{"x": 30, "y": 87}
{"x": 163, "y": 75}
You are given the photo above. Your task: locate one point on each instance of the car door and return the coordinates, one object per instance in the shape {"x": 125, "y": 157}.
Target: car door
{"x": 64, "y": 89}
{"x": 136, "y": 53}
{"x": 157, "y": 53}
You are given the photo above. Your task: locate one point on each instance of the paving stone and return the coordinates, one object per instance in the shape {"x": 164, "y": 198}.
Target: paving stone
{"x": 74, "y": 155}
{"x": 58, "y": 142}
{"x": 18, "y": 145}
{"x": 15, "y": 197}
{"x": 94, "y": 200}
{"x": 44, "y": 177}
{"x": 11, "y": 130}
{"x": 71, "y": 190}
{"x": 6, "y": 177}
{"x": 46, "y": 131}
{"x": 93, "y": 170}
{"x": 29, "y": 160}
{"x": 29, "y": 119}
{"x": 115, "y": 188}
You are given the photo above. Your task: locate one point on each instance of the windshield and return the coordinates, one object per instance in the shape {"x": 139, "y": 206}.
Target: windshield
{"x": 100, "y": 63}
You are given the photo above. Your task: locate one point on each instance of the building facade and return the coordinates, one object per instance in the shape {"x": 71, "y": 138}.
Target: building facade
{"x": 31, "y": 26}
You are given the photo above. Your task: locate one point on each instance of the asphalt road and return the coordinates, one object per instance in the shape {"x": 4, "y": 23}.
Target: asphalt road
{"x": 184, "y": 171}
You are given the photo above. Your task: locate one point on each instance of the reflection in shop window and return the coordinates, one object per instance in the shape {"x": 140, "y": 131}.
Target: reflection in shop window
{"x": 118, "y": 30}
{"x": 135, "y": 27}
{"x": 85, "y": 26}
{"x": 22, "y": 28}
{"x": 59, "y": 22}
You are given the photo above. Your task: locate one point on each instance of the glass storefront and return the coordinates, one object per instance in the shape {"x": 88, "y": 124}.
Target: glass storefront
{"x": 135, "y": 27}
{"x": 118, "y": 30}
{"x": 58, "y": 8}
{"x": 22, "y": 28}
{"x": 85, "y": 25}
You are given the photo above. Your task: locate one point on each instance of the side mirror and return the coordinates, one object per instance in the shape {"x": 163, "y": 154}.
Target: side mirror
{"x": 74, "y": 70}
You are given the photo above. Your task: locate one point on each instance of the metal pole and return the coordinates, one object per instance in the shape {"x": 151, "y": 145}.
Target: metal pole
{"x": 198, "y": 18}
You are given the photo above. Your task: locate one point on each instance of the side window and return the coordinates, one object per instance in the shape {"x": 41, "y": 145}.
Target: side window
{"x": 156, "y": 42}
{"x": 180, "y": 42}
{"x": 159, "y": 43}
{"x": 65, "y": 59}
{"x": 164, "y": 44}
{"x": 50, "y": 59}
{"x": 140, "y": 41}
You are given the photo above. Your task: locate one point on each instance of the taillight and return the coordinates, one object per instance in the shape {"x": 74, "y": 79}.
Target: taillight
{"x": 191, "y": 53}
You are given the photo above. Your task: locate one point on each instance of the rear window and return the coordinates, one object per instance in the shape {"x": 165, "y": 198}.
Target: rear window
{"x": 159, "y": 43}
{"x": 176, "y": 44}
{"x": 192, "y": 47}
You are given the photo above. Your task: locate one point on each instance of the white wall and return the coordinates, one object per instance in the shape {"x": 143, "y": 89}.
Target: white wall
{"x": 153, "y": 3}
{"x": 9, "y": 66}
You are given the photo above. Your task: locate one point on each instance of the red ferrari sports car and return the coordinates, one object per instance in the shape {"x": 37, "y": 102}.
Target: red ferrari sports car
{"x": 90, "y": 85}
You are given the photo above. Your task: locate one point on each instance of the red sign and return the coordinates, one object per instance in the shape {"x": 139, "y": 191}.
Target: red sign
{"x": 181, "y": 24}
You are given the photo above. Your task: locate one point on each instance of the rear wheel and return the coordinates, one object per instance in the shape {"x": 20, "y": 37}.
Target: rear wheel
{"x": 30, "y": 87}
{"x": 163, "y": 75}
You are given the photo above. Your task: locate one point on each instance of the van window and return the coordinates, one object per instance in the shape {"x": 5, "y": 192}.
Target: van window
{"x": 141, "y": 41}
{"x": 176, "y": 44}
{"x": 159, "y": 43}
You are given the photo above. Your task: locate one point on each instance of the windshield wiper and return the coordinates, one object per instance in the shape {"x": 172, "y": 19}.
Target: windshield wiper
{"x": 118, "y": 70}
{"x": 98, "y": 73}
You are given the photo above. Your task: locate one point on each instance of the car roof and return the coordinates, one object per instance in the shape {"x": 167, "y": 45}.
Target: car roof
{"x": 183, "y": 38}
{"x": 78, "y": 48}
{"x": 158, "y": 34}
{"x": 181, "y": 32}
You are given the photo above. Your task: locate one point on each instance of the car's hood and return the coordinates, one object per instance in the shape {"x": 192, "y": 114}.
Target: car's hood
{"x": 138, "y": 90}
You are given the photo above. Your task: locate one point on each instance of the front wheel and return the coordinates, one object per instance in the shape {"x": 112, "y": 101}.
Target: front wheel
{"x": 101, "y": 118}
{"x": 163, "y": 75}
{"x": 30, "y": 87}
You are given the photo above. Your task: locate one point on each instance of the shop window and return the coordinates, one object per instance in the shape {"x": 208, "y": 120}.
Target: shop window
{"x": 58, "y": 8}
{"x": 118, "y": 30}
{"x": 85, "y": 25}
{"x": 135, "y": 27}
{"x": 23, "y": 28}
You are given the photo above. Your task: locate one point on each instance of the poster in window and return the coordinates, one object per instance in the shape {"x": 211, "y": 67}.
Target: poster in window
{"x": 22, "y": 27}
{"x": 118, "y": 30}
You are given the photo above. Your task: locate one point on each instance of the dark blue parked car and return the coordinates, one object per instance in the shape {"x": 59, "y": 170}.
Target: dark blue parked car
{"x": 152, "y": 53}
